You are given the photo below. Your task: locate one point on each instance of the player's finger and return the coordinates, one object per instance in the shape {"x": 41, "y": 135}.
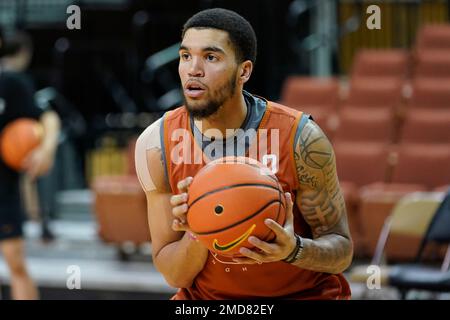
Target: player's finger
{"x": 280, "y": 232}
{"x": 289, "y": 209}
{"x": 180, "y": 212}
{"x": 183, "y": 185}
{"x": 178, "y": 199}
{"x": 177, "y": 225}
{"x": 251, "y": 254}
{"x": 264, "y": 246}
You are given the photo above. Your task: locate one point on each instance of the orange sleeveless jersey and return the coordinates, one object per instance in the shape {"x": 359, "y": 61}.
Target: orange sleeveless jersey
{"x": 223, "y": 279}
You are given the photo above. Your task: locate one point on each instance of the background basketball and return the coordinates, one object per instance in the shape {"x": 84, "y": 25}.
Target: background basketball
{"x": 17, "y": 140}
{"x": 229, "y": 201}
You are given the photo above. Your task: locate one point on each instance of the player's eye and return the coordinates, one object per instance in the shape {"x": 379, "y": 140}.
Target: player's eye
{"x": 184, "y": 56}
{"x": 210, "y": 57}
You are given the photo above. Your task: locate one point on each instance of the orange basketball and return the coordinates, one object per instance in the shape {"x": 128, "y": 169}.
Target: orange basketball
{"x": 17, "y": 139}
{"x": 229, "y": 199}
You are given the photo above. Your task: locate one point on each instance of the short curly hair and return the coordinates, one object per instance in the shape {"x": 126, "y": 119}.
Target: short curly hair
{"x": 241, "y": 33}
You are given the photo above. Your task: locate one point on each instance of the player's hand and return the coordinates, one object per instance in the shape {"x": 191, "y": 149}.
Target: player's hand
{"x": 180, "y": 206}
{"x": 282, "y": 246}
{"x": 38, "y": 162}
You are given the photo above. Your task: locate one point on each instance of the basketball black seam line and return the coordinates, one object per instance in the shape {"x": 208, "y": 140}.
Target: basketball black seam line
{"x": 239, "y": 222}
{"x": 278, "y": 215}
{"x": 230, "y": 187}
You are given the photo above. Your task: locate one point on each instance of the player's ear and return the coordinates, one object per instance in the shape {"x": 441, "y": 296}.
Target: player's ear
{"x": 245, "y": 71}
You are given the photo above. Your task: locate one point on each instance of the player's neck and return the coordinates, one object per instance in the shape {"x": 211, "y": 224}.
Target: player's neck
{"x": 230, "y": 116}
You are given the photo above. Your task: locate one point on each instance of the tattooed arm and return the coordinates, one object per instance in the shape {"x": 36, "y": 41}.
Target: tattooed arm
{"x": 321, "y": 202}
{"x": 322, "y": 205}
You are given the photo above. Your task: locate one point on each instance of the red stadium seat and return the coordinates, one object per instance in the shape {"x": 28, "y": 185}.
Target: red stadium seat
{"x": 375, "y": 93}
{"x": 442, "y": 188}
{"x": 376, "y": 203}
{"x": 425, "y": 164}
{"x": 316, "y": 96}
{"x": 365, "y": 124}
{"x": 121, "y": 209}
{"x": 310, "y": 94}
{"x": 386, "y": 63}
{"x": 426, "y": 126}
{"x": 430, "y": 94}
{"x": 432, "y": 64}
{"x": 417, "y": 168}
{"x": 352, "y": 160}
{"x": 402, "y": 233}
{"x": 435, "y": 36}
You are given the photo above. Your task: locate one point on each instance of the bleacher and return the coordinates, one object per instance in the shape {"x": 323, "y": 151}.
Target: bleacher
{"x": 389, "y": 123}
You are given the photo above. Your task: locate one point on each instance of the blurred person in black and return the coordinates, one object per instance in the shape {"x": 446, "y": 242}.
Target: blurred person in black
{"x": 18, "y": 61}
{"x": 16, "y": 101}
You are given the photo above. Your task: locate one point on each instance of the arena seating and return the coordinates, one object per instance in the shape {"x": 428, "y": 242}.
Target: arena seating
{"x": 391, "y": 131}
{"x": 316, "y": 96}
{"x": 388, "y": 63}
{"x": 426, "y": 126}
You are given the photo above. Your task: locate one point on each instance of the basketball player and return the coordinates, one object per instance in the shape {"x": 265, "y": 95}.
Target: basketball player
{"x": 312, "y": 249}
{"x": 16, "y": 101}
{"x": 18, "y": 62}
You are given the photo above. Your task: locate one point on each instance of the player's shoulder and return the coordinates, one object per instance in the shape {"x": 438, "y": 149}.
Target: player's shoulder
{"x": 149, "y": 139}
{"x": 148, "y": 157}
{"x": 284, "y": 110}
{"x": 313, "y": 145}
{"x": 175, "y": 115}
{"x": 312, "y": 127}
{"x": 310, "y": 130}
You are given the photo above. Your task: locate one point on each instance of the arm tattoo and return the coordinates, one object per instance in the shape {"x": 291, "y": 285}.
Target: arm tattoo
{"x": 304, "y": 177}
{"x": 321, "y": 200}
{"x": 314, "y": 147}
{"x": 321, "y": 203}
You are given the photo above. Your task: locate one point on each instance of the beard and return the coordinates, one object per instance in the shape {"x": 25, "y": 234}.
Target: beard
{"x": 214, "y": 100}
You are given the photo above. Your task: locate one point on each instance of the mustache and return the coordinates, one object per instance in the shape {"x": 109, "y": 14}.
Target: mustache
{"x": 194, "y": 81}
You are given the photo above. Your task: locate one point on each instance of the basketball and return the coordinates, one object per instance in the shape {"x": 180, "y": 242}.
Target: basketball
{"x": 18, "y": 139}
{"x": 229, "y": 199}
